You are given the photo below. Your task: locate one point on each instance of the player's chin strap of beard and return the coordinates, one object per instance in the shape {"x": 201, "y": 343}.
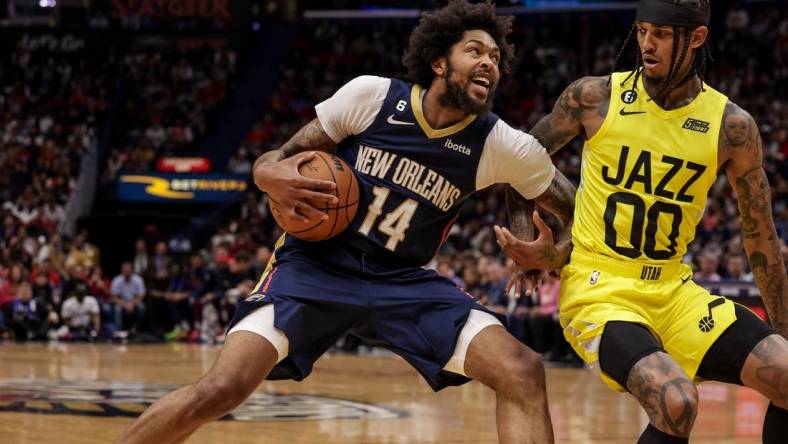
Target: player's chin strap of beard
{"x": 678, "y": 13}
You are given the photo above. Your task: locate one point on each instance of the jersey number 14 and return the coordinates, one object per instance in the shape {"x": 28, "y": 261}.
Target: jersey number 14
{"x": 395, "y": 223}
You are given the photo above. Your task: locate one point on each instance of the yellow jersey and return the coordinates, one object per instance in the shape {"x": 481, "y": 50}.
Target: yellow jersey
{"x": 646, "y": 174}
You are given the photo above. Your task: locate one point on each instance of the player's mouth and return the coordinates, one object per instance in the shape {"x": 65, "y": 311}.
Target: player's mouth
{"x": 650, "y": 62}
{"x": 480, "y": 85}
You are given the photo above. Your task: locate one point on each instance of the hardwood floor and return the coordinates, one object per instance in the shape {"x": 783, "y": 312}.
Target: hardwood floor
{"x": 83, "y": 393}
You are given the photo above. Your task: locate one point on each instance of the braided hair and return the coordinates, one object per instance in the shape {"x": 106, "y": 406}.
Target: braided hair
{"x": 700, "y": 62}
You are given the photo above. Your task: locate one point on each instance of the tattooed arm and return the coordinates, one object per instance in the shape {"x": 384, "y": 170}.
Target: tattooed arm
{"x": 310, "y": 137}
{"x": 544, "y": 252}
{"x": 276, "y": 173}
{"x": 580, "y": 109}
{"x": 740, "y": 146}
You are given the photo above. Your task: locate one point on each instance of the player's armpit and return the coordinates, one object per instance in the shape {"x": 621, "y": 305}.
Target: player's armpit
{"x": 740, "y": 144}
{"x": 565, "y": 121}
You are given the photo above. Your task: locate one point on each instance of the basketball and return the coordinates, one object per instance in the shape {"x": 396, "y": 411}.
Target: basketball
{"x": 324, "y": 166}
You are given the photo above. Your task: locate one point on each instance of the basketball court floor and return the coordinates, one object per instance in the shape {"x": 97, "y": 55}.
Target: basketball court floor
{"x": 84, "y": 393}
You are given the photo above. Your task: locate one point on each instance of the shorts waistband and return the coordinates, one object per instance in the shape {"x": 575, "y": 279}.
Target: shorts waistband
{"x": 632, "y": 270}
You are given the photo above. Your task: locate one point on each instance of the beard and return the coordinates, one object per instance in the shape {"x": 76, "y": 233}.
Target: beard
{"x": 655, "y": 80}
{"x": 459, "y": 98}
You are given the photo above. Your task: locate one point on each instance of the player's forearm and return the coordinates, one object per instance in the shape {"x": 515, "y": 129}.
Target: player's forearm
{"x": 759, "y": 236}
{"x": 310, "y": 137}
{"x": 559, "y": 199}
{"x": 564, "y": 247}
{"x": 520, "y": 211}
{"x": 768, "y": 269}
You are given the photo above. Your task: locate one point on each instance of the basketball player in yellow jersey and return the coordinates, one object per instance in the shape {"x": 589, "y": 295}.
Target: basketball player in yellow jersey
{"x": 655, "y": 139}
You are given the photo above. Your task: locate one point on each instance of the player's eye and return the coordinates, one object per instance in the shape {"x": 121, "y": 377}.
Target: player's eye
{"x": 474, "y": 50}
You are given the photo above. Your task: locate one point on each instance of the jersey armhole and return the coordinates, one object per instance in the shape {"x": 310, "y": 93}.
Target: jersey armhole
{"x": 721, "y": 104}
{"x": 609, "y": 117}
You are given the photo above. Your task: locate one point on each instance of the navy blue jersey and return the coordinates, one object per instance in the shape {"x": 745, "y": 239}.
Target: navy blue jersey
{"x": 413, "y": 178}
{"x": 412, "y": 185}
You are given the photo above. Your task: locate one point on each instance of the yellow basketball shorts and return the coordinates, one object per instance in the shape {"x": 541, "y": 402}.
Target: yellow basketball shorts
{"x": 683, "y": 317}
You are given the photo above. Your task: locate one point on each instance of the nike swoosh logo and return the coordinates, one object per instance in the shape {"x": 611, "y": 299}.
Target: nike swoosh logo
{"x": 684, "y": 281}
{"x": 629, "y": 113}
{"x": 393, "y": 121}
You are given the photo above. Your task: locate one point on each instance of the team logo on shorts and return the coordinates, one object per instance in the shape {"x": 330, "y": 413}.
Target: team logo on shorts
{"x": 629, "y": 96}
{"x": 129, "y": 399}
{"x": 706, "y": 323}
{"x": 594, "y": 277}
{"x": 255, "y": 298}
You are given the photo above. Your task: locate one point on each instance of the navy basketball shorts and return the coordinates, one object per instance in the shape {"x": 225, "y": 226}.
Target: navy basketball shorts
{"x": 309, "y": 298}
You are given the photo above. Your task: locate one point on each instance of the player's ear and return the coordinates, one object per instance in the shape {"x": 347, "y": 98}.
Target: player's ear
{"x": 439, "y": 67}
{"x": 698, "y": 36}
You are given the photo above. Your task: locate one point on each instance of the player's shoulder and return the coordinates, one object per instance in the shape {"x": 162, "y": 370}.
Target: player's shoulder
{"x": 367, "y": 85}
{"x": 589, "y": 88}
{"x": 503, "y": 136}
{"x": 732, "y": 109}
{"x": 739, "y": 134}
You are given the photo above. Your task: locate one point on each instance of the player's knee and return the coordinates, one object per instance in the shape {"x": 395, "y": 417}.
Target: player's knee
{"x": 215, "y": 396}
{"x": 522, "y": 372}
{"x": 679, "y": 401}
{"x": 779, "y": 392}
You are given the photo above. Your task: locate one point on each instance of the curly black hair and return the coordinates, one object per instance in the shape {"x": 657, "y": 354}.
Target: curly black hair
{"x": 439, "y": 31}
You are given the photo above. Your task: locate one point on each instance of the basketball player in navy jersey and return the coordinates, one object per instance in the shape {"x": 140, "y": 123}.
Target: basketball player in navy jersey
{"x": 419, "y": 151}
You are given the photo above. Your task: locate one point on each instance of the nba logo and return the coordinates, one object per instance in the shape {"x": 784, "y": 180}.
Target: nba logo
{"x": 629, "y": 96}
{"x": 594, "y": 277}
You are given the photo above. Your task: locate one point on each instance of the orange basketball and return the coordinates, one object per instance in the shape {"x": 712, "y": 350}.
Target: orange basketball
{"x": 324, "y": 166}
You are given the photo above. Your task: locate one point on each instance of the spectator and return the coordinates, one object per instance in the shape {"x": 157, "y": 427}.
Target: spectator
{"x": 80, "y": 313}
{"x": 735, "y": 269}
{"x": 709, "y": 261}
{"x": 140, "y": 262}
{"x": 445, "y": 269}
{"x": 26, "y": 317}
{"x": 128, "y": 293}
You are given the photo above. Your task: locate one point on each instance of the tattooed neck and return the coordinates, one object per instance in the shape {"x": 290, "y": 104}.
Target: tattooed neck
{"x": 681, "y": 95}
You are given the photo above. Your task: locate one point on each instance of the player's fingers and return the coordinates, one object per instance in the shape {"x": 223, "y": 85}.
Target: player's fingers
{"x": 308, "y": 212}
{"x": 529, "y": 287}
{"x": 295, "y": 213}
{"x": 504, "y": 236}
{"x": 540, "y": 224}
{"x": 511, "y": 288}
{"x": 303, "y": 157}
{"x": 499, "y": 236}
{"x": 317, "y": 197}
{"x": 314, "y": 184}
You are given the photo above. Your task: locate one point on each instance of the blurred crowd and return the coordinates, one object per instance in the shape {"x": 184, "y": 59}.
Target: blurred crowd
{"x": 172, "y": 94}
{"x": 159, "y": 294}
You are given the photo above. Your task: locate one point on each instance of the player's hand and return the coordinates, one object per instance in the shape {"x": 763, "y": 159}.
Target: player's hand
{"x": 539, "y": 254}
{"x": 520, "y": 281}
{"x": 295, "y": 193}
